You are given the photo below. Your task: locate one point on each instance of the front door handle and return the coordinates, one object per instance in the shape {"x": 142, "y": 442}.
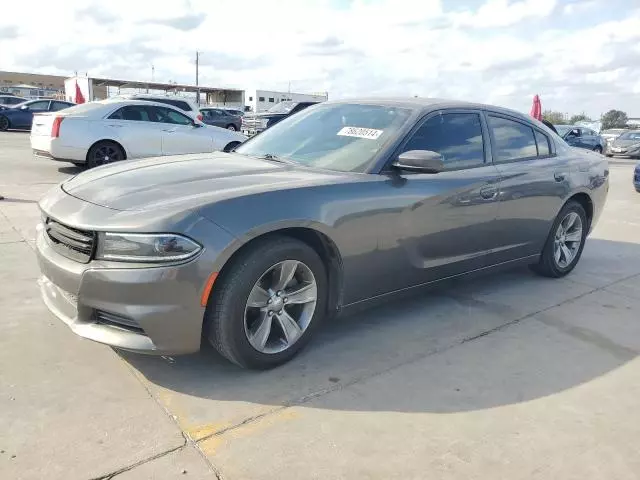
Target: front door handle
{"x": 489, "y": 192}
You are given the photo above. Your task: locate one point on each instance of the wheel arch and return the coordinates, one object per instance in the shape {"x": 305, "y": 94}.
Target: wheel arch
{"x": 319, "y": 241}
{"x": 110, "y": 140}
{"x": 587, "y": 203}
{"x": 231, "y": 145}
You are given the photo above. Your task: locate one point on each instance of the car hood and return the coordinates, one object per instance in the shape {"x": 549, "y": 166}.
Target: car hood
{"x": 188, "y": 181}
{"x": 624, "y": 143}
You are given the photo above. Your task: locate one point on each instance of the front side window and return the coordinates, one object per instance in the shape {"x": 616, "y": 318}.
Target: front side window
{"x": 344, "y": 137}
{"x": 167, "y": 115}
{"x": 513, "y": 140}
{"x": 38, "y": 106}
{"x": 457, "y": 137}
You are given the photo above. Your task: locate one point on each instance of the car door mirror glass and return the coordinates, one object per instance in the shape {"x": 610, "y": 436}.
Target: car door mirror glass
{"x": 420, "y": 161}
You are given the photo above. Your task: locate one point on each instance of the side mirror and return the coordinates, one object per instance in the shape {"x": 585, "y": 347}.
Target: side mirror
{"x": 420, "y": 161}
{"x": 196, "y": 125}
{"x": 24, "y": 107}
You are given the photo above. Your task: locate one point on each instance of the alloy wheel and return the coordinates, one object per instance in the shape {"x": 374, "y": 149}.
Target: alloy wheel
{"x": 4, "y": 123}
{"x": 280, "y": 306}
{"x": 106, "y": 154}
{"x": 568, "y": 239}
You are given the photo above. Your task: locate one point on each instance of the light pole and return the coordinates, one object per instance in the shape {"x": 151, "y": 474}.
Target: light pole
{"x": 197, "y": 77}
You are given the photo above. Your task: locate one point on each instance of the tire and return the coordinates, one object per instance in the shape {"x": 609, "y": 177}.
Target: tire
{"x": 228, "y": 315}
{"x": 99, "y": 152}
{"x": 5, "y": 124}
{"x": 609, "y": 155}
{"x": 79, "y": 164}
{"x": 230, "y": 146}
{"x": 231, "y": 127}
{"x": 598, "y": 150}
{"x": 549, "y": 265}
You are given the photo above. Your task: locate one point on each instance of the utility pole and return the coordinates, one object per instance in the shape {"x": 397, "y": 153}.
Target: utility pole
{"x": 197, "y": 78}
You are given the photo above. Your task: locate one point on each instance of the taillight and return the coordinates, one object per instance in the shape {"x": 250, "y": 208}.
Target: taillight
{"x": 55, "y": 128}
{"x": 200, "y": 117}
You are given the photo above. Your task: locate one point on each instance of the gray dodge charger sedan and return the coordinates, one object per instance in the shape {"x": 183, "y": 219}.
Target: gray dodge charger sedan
{"x": 341, "y": 204}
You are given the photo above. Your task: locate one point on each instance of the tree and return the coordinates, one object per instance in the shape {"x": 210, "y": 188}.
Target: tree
{"x": 555, "y": 118}
{"x": 581, "y": 117}
{"x": 614, "y": 119}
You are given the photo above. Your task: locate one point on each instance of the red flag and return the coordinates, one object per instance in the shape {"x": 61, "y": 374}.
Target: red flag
{"x": 79, "y": 96}
{"x": 536, "y": 108}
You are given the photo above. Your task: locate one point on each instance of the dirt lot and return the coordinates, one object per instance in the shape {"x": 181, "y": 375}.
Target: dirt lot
{"x": 507, "y": 377}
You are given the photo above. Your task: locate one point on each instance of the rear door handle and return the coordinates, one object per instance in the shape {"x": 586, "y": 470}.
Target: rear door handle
{"x": 559, "y": 176}
{"x": 489, "y": 192}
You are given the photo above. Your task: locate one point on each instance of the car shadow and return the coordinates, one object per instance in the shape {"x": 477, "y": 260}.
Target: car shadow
{"x": 498, "y": 340}
{"x": 70, "y": 170}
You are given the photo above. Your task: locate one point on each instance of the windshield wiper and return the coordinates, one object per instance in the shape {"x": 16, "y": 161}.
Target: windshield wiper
{"x": 275, "y": 158}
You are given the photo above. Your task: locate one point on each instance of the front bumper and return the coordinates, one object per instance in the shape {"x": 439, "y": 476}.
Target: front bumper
{"x": 164, "y": 302}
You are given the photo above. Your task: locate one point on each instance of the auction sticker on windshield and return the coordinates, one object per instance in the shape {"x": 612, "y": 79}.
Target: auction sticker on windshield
{"x": 370, "y": 133}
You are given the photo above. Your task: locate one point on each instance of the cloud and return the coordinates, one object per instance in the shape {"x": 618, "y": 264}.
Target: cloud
{"x": 495, "y": 51}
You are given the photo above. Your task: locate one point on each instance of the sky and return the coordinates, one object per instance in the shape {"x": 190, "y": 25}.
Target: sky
{"x": 578, "y": 55}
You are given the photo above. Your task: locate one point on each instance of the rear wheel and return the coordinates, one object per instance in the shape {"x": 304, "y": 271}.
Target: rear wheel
{"x": 565, "y": 243}
{"x": 103, "y": 153}
{"x": 598, "y": 149}
{"x": 4, "y": 123}
{"x": 265, "y": 308}
{"x": 230, "y": 146}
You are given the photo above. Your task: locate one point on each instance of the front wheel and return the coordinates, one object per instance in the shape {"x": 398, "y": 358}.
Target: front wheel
{"x": 4, "y": 123}
{"x": 265, "y": 307}
{"x": 565, "y": 243}
{"x": 231, "y": 127}
{"x": 598, "y": 149}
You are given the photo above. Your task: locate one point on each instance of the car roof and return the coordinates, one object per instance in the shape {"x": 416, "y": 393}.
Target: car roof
{"x": 429, "y": 104}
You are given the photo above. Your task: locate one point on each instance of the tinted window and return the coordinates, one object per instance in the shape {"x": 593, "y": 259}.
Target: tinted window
{"x": 55, "y": 106}
{"x": 167, "y": 115}
{"x": 211, "y": 113}
{"x": 44, "y": 105}
{"x": 14, "y": 101}
{"x": 455, "y": 136}
{"x": 136, "y": 113}
{"x": 513, "y": 140}
{"x": 167, "y": 101}
{"x": 543, "y": 144}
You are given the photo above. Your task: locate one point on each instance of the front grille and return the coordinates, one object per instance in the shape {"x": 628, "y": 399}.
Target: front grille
{"x": 71, "y": 242}
{"x": 118, "y": 321}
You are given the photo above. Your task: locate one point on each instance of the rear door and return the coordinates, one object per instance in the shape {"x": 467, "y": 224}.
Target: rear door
{"x": 23, "y": 117}
{"x": 134, "y": 127}
{"x": 532, "y": 186}
{"x": 179, "y": 133}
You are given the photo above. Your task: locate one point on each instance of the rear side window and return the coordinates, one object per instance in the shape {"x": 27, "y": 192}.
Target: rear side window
{"x": 167, "y": 101}
{"x": 513, "y": 140}
{"x": 543, "y": 144}
{"x": 136, "y": 113}
{"x": 55, "y": 106}
{"x": 455, "y": 136}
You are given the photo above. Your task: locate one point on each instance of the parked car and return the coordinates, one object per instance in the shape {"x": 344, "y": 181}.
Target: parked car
{"x": 253, "y": 123}
{"x": 627, "y": 144}
{"x": 8, "y": 101}
{"x": 611, "y": 134}
{"x": 636, "y": 177}
{"x": 582, "y": 137}
{"x": 342, "y": 204}
{"x": 221, "y": 118}
{"x": 20, "y": 116}
{"x": 185, "y": 104}
{"x": 97, "y": 133}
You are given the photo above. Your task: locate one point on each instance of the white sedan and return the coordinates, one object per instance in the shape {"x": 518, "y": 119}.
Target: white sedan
{"x": 97, "y": 133}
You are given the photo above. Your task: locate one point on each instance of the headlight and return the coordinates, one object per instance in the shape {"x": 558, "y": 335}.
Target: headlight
{"x": 145, "y": 247}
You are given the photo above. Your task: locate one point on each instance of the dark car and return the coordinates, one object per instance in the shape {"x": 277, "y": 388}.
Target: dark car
{"x": 582, "y": 137}
{"x": 221, "y": 118}
{"x": 338, "y": 206}
{"x": 627, "y": 144}
{"x": 253, "y": 123}
{"x": 21, "y": 116}
{"x": 8, "y": 101}
{"x": 233, "y": 111}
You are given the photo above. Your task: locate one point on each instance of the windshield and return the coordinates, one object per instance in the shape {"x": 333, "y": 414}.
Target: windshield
{"x": 282, "y": 107}
{"x": 562, "y": 129}
{"x": 630, "y": 136}
{"x": 343, "y": 137}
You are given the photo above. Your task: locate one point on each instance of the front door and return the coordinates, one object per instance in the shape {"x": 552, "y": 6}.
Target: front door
{"x": 135, "y": 128}
{"x": 439, "y": 225}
